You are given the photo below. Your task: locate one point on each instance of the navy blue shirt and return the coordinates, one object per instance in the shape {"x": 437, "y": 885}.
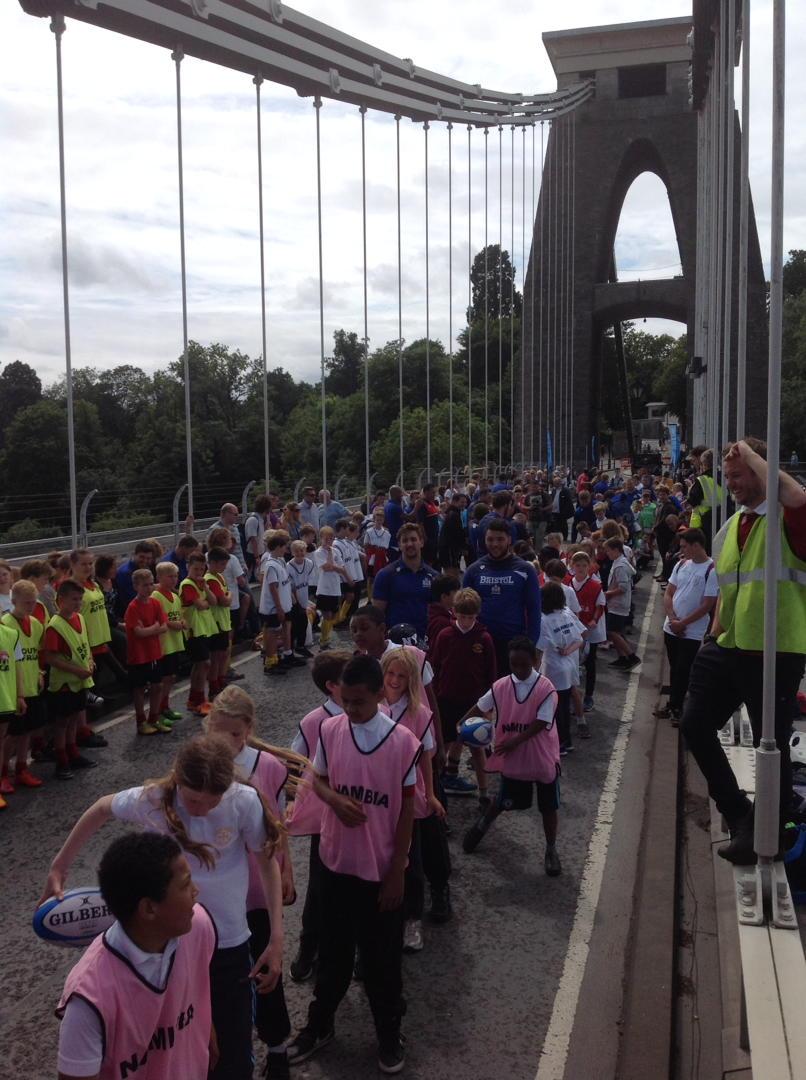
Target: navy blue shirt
{"x": 393, "y": 512}
{"x": 510, "y": 596}
{"x": 407, "y": 594}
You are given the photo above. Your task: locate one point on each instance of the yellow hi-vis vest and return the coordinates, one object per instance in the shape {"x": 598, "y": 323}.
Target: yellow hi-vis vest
{"x": 8, "y": 669}
{"x": 707, "y": 484}
{"x": 201, "y": 623}
{"x": 93, "y": 609}
{"x": 31, "y": 644}
{"x": 173, "y": 641}
{"x": 221, "y": 614}
{"x": 741, "y": 591}
{"x": 79, "y": 654}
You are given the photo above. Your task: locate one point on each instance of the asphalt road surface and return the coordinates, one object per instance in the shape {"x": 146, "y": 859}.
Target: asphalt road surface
{"x": 480, "y": 995}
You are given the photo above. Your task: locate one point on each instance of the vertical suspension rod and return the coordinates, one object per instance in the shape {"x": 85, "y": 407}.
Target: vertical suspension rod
{"x": 744, "y": 219}
{"x": 258, "y": 81}
{"x": 427, "y": 316}
{"x": 367, "y": 476}
{"x": 177, "y": 56}
{"x": 317, "y": 104}
{"x": 399, "y": 302}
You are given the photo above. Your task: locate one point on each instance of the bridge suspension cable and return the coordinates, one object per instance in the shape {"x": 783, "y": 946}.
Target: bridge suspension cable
{"x": 469, "y": 307}
{"x": 177, "y": 56}
{"x": 399, "y": 301}
{"x": 486, "y": 308}
{"x": 367, "y": 465}
{"x": 450, "y": 301}
{"x": 317, "y": 104}
{"x": 258, "y": 80}
{"x": 57, "y": 27}
{"x": 500, "y": 296}
{"x": 427, "y": 318}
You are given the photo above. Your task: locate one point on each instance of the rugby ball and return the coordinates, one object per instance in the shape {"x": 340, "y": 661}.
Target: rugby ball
{"x": 76, "y": 919}
{"x": 476, "y": 731}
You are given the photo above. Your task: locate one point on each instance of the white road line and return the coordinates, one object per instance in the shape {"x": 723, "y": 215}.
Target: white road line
{"x": 180, "y": 688}
{"x": 554, "y": 1054}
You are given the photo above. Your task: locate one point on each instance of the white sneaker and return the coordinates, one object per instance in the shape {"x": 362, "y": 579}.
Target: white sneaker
{"x": 413, "y": 936}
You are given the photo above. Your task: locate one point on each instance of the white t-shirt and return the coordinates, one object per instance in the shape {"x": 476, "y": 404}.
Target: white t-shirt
{"x": 367, "y": 737}
{"x": 81, "y": 1035}
{"x": 355, "y": 568}
{"x": 397, "y": 710}
{"x": 621, "y": 575}
{"x": 558, "y": 630}
{"x": 301, "y": 576}
{"x": 522, "y": 689}
{"x": 6, "y": 603}
{"x": 345, "y": 549}
{"x": 693, "y": 582}
{"x": 571, "y": 601}
{"x": 328, "y": 582}
{"x": 232, "y": 572}
{"x": 274, "y": 572}
{"x": 254, "y": 528}
{"x": 232, "y": 827}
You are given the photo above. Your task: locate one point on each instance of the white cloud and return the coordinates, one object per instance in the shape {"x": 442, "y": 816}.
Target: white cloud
{"x": 122, "y": 184}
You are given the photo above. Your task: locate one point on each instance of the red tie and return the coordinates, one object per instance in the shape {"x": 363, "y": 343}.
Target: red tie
{"x": 749, "y": 517}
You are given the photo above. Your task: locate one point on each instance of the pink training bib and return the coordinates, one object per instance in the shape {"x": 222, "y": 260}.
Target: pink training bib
{"x": 418, "y": 721}
{"x": 268, "y": 777}
{"x": 536, "y": 759}
{"x": 153, "y": 1034}
{"x": 375, "y": 779}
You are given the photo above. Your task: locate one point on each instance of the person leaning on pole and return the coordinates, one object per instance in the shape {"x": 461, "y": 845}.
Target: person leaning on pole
{"x": 727, "y": 671}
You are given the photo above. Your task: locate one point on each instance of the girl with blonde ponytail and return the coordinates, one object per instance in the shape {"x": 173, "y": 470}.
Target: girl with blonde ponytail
{"x": 218, "y": 821}
{"x": 268, "y": 770}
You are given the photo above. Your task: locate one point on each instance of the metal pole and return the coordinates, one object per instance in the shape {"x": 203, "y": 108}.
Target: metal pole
{"x": 767, "y": 755}
{"x": 450, "y": 299}
{"x": 317, "y": 104}
{"x": 541, "y": 365}
{"x": 363, "y": 112}
{"x": 82, "y": 517}
{"x": 512, "y": 298}
{"x": 57, "y": 27}
{"x": 177, "y": 56}
{"x": 571, "y": 322}
{"x": 469, "y": 309}
{"x": 744, "y": 218}
{"x": 427, "y": 318}
{"x": 500, "y": 295}
{"x": 258, "y": 80}
{"x": 245, "y": 496}
{"x": 399, "y": 297}
{"x": 486, "y": 309}
{"x": 727, "y": 302}
{"x": 532, "y": 319}
{"x": 177, "y": 497}
{"x": 523, "y": 291}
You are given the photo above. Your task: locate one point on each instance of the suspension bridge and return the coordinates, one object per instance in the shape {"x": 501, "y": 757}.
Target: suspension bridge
{"x": 656, "y": 96}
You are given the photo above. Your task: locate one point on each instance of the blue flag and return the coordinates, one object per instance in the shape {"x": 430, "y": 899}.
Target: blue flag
{"x": 593, "y": 451}
{"x": 549, "y": 453}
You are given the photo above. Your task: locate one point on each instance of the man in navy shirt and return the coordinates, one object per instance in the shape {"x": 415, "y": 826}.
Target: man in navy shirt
{"x": 510, "y": 592}
{"x": 402, "y": 590}
{"x": 395, "y": 517}
{"x": 503, "y": 507}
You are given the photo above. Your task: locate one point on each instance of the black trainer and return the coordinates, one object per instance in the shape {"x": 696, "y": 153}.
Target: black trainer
{"x": 620, "y": 662}
{"x": 277, "y": 1066}
{"x": 472, "y": 838}
{"x": 64, "y": 772}
{"x": 391, "y": 1058}
{"x": 81, "y": 762}
{"x": 307, "y": 1043}
{"x": 94, "y": 741}
{"x": 552, "y": 863}
{"x": 440, "y": 910}
{"x": 631, "y": 662}
{"x": 303, "y": 964}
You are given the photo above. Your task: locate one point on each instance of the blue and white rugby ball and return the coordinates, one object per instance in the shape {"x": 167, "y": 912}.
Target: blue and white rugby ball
{"x": 476, "y": 731}
{"x": 76, "y": 919}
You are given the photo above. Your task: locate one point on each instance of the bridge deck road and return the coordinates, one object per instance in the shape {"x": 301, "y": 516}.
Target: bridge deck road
{"x": 481, "y": 994}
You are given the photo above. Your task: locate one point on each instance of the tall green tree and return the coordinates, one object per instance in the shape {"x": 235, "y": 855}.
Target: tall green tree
{"x": 496, "y": 283}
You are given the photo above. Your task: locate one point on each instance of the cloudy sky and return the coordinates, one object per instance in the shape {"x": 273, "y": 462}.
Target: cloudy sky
{"x": 122, "y": 185}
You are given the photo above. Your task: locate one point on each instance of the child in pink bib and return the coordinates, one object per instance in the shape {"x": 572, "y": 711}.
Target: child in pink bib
{"x": 365, "y": 773}
{"x": 138, "y": 1000}
{"x": 526, "y": 749}
{"x": 267, "y": 769}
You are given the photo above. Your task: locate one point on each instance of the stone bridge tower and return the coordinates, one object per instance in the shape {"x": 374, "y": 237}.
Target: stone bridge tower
{"x": 640, "y": 119}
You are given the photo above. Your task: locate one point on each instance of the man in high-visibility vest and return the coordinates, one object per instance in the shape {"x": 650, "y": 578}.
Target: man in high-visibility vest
{"x": 701, "y": 497}
{"x": 727, "y": 671}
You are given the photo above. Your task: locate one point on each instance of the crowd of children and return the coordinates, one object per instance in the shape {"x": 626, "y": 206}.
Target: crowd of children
{"x": 371, "y": 772}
